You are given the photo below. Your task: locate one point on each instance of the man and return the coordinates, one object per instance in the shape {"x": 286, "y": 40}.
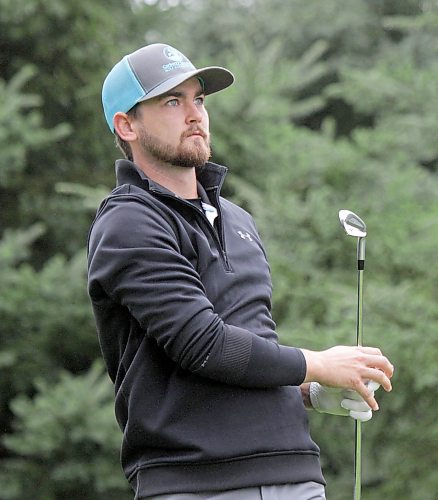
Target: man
{"x": 210, "y": 405}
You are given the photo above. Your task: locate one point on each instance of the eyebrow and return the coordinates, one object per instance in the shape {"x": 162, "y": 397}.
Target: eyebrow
{"x": 170, "y": 94}
{"x": 177, "y": 93}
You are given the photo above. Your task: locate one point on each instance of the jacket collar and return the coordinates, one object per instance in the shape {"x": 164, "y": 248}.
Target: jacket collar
{"x": 210, "y": 176}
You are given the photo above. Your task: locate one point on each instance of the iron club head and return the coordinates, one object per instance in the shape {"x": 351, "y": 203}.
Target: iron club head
{"x": 353, "y": 225}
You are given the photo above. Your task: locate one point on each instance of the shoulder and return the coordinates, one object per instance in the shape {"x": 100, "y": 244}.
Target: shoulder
{"x": 231, "y": 209}
{"x": 130, "y": 215}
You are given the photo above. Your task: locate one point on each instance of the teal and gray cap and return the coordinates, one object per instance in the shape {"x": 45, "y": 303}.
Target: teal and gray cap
{"x": 151, "y": 71}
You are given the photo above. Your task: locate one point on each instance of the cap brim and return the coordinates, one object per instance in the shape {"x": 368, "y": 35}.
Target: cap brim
{"x": 214, "y": 79}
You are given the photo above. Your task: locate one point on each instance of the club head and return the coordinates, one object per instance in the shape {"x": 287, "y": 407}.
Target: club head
{"x": 353, "y": 225}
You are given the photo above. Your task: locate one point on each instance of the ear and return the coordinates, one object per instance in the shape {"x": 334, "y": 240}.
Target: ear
{"x": 122, "y": 125}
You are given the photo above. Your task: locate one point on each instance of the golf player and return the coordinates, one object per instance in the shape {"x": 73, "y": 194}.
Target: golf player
{"x": 211, "y": 406}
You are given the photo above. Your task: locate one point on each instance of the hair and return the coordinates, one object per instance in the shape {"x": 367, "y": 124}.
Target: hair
{"x": 124, "y": 146}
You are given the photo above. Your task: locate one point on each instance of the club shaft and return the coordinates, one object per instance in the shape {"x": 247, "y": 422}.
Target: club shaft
{"x": 359, "y": 342}
{"x": 358, "y": 461}
{"x": 359, "y": 321}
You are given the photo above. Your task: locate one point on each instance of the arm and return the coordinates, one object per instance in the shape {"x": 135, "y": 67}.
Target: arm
{"x": 135, "y": 259}
{"x": 136, "y": 262}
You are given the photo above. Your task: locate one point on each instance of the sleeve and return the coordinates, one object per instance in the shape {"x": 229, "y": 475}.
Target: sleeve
{"x": 134, "y": 257}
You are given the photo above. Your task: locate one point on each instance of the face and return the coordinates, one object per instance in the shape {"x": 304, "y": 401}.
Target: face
{"x": 174, "y": 128}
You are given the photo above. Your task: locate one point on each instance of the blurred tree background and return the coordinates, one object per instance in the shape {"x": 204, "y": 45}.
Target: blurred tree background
{"x": 335, "y": 106}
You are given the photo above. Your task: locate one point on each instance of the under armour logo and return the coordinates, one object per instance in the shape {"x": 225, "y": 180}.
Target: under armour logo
{"x": 244, "y": 236}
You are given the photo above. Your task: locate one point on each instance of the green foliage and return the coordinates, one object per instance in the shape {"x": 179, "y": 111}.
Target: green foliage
{"x": 46, "y": 322}
{"x": 69, "y": 46}
{"x": 399, "y": 93}
{"x": 334, "y": 106}
{"x": 15, "y": 245}
{"x": 21, "y": 130}
{"x": 63, "y": 441}
{"x": 87, "y": 198}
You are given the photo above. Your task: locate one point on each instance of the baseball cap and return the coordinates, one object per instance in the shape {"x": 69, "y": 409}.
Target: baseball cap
{"x": 151, "y": 71}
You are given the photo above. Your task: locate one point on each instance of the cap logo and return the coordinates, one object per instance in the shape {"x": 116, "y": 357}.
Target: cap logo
{"x": 178, "y": 60}
{"x": 173, "y": 54}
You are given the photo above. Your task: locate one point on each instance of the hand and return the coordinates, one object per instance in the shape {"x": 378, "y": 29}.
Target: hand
{"x": 339, "y": 401}
{"x": 350, "y": 367}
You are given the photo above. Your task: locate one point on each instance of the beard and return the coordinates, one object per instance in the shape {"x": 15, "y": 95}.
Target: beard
{"x": 188, "y": 154}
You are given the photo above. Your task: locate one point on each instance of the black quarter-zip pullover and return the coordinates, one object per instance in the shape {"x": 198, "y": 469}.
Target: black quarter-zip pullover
{"x": 205, "y": 396}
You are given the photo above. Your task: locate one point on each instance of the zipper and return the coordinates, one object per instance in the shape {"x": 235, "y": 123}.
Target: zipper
{"x": 218, "y": 237}
{"x": 216, "y": 190}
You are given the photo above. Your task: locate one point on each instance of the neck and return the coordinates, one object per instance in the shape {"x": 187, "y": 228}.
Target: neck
{"x": 179, "y": 180}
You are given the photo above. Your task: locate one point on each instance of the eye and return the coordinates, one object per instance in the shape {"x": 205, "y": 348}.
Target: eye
{"x": 199, "y": 101}
{"x": 172, "y": 102}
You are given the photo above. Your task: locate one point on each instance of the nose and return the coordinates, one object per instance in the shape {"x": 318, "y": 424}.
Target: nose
{"x": 194, "y": 113}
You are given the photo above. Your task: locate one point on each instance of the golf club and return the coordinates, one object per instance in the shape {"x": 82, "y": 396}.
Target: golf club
{"x": 354, "y": 226}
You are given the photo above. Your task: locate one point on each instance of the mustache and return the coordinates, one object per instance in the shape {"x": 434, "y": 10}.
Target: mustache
{"x": 195, "y": 130}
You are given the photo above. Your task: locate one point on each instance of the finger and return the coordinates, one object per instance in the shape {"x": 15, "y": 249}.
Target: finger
{"x": 374, "y": 351}
{"x": 374, "y": 374}
{"x": 383, "y": 364}
{"x": 350, "y": 394}
{"x": 363, "y": 416}
{"x": 377, "y": 360}
{"x": 368, "y": 397}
